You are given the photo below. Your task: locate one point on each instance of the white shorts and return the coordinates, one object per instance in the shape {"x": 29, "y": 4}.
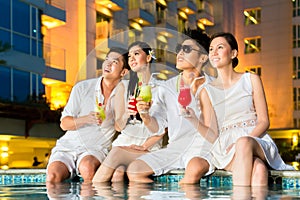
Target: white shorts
{"x": 72, "y": 158}
{"x": 178, "y": 154}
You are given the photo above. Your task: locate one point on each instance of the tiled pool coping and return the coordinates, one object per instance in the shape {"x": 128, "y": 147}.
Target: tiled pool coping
{"x": 287, "y": 179}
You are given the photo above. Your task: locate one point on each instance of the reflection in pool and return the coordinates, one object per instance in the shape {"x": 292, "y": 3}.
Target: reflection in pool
{"x": 157, "y": 191}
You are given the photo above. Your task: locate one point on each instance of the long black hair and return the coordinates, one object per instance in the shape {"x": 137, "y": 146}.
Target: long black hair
{"x": 133, "y": 75}
{"x": 133, "y": 82}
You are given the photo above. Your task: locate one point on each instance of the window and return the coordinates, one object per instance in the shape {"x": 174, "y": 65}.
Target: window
{"x": 252, "y": 16}
{"x": 21, "y": 27}
{"x": 252, "y": 45}
{"x": 161, "y": 50}
{"x": 296, "y": 36}
{"x": 255, "y": 69}
{"x": 296, "y": 98}
{"x": 181, "y": 24}
{"x": 160, "y": 13}
{"x": 296, "y": 67}
{"x": 102, "y": 26}
{"x": 5, "y": 37}
{"x": 20, "y": 86}
{"x": 5, "y": 14}
{"x": 134, "y": 35}
{"x": 296, "y": 8}
{"x": 5, "y": 77}
{"x": 21, "y": 17}
{"x": 21, "y": 43}
{"x": 296, "y": 123}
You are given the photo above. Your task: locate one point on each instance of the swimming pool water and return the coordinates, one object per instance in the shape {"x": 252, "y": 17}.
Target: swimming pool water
{"x": 156, "y": 191}
{"x": 30, "y": 184}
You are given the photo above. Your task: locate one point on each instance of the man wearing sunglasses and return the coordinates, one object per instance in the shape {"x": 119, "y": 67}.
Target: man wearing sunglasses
{"x": 186, "y": 148}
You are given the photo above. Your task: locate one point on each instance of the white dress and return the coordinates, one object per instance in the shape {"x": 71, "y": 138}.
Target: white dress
{"x": 236, "y": 117}
{"x": 138, "y": 133}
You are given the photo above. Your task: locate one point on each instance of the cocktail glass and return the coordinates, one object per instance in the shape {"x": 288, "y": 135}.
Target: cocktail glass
{"x": 132, "y": 101}
{"x": 146, "y": 95}
{"x": 184, "y": 98}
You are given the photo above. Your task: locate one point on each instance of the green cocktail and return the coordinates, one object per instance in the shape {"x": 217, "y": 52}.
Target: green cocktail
{"x": 101, "y": 112}
{"x": 145, "y": 93}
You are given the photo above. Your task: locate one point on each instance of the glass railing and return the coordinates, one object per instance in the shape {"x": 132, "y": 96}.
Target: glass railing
{"x": 147, "y": 6}
{"x": 102, "y": 30}
{"x": 206, "y": 7}
{"x": 172, "y": 18}
{"x": 54, "y": 56}
{"x": 118, "y": 35}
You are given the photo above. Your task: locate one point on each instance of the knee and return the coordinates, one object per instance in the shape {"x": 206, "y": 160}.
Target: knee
{"x": 55, "y": 177}
{"x": 57, "y": 172}
{"x": 132, "y": 169}
{"x": 88, "y": 165}
{"x": 243, "y": 144}
{"x": 138, "y": 169}
{"x": 197, "y": 167}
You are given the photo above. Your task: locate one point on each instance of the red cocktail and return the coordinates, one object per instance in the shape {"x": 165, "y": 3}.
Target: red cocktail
{"x": 133, "y": 102}
{"x": 185, "y": 97}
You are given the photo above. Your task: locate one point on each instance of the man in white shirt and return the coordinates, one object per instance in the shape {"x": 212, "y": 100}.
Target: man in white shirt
{"x": 89, "y": 134}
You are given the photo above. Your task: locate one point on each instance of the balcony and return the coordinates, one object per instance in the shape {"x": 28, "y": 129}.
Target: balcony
{"x": 142, "y": 12}
{"x": 54, "y": 13}
{"x": 205, "y": 13}
{"x": 167, "y": 20}
{"x": 105, "y": 31}
{"x": 55, "y": 60}
{"x": 114, "y": 5}
{"x": 141, "y": 16}
{"x": 187, "y": 6}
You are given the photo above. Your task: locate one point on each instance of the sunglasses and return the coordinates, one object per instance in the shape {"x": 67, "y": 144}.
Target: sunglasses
{"x": 185, "y": 48}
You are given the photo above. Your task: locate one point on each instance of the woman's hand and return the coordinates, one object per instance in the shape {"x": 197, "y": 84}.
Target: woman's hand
{"x": 138, "y": 147}
{"x": 142, "y": 105}
{"x": 189, "y": 114}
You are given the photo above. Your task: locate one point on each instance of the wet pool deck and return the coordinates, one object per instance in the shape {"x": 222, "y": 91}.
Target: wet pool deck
{"x": 287, "y": 179}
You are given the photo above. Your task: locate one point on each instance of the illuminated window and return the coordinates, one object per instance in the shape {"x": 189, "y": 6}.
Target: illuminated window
{"x": 296, "y": 98}
{"x": 296, "y": 122}
{"x": 161, "y": 12}
{"x": 296, "y": 36}
{"x": 252, "y": 16}
{"x": 296, "y": 67}
{"x": 181, "y": 24}
{"x": 252, "y": 45}
{"x": 102, "y": 26}
{"x": 255, "y": 69}
{"x": 161, "y": 49}
{"x": 296, "y": 8}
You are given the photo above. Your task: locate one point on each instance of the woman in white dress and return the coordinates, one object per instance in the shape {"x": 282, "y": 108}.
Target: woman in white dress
{"x": 241, "y": 143}
{"x": 135, "y": 140}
